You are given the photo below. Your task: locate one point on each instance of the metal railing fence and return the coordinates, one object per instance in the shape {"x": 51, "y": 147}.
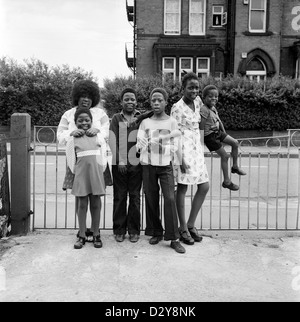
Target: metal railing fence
{"x": 268, "y": 199}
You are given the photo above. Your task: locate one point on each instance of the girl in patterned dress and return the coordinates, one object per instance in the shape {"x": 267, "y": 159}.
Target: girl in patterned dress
{"x": 192, "y": 170}
{"x": 86, "y": 157}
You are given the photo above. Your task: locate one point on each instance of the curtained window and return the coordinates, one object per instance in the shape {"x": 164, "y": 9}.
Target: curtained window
{"x": 197, "y": 17}
{"x": 172, "y": 17}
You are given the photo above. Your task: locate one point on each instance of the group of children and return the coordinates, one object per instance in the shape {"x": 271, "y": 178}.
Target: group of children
{"x": 153, "y": 150}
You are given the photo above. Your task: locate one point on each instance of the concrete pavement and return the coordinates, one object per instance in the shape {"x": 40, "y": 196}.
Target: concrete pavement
{"x": 226, "y": 267}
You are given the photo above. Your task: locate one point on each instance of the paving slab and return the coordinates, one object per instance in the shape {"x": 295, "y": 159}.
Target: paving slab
{"x": 44, "y": 267}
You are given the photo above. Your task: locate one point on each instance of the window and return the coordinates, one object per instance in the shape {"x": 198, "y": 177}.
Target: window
{"x": 257, "y": 15}
{"x": 172, "y": 17}
{"x": 256, "y": 70}
{"x": 218, "y": 12}
{"x": 197, "y": 17}
{"x": 203, "y": 67}
{"x": 169, "y": 68}
{"x": 186, "y": 66}
{"x": 298, "y": 69}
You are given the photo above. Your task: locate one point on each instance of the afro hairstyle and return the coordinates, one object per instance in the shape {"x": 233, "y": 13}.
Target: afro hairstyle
{"x": 85, "y": 88}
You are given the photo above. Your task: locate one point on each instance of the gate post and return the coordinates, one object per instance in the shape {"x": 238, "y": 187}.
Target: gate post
{"x": 20, "y": 137}
{"x": 4, "y": 189}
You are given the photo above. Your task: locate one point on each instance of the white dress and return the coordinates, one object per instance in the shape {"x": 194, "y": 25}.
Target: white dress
{"x": 192, "y": 151}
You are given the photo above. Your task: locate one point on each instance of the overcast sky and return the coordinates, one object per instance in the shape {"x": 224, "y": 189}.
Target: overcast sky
{"x": 81, "y": 33}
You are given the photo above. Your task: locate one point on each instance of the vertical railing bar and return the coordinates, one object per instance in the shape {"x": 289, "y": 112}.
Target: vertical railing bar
{"x": 56, "y": 186}
{"x": 258, "y": 189}
{"x": 249, "y": 187}
{"x": 287, "y": 189}
{"x": 211, "y": 190}
{"x": 230, "y": 193}
{"x": 268, "y": 191}
{"x": 239, "y": 202}
{"x": 220, "y": 198}
{"x": 104, "y": 212}
{"x": 277, "y": 189}
{"x": 298, "y": 207}
{"x": 33, "y": 183}
{"x": 45, "y": 188}
{"x": 66, "y": 203}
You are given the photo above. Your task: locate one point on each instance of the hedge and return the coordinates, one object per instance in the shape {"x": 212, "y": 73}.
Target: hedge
{"x": 44, "y": 92}
{"x": 273, "y": 105}
{"x": 37, "y": 89}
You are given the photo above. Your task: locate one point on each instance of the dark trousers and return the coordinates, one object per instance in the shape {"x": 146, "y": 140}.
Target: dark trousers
{"x": 151, "y": 176}
{"x": 124, "y": 184}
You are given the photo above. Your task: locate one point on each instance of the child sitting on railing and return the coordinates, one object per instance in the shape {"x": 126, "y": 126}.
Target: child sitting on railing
{"x": 215, "y": 135}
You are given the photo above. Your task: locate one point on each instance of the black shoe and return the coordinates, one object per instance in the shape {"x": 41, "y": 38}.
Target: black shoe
{"x": 177, "y": 246}
{"x": 195, "y": 235}
{"x": 186, "y": 238}
{"x": 238, "y": 171}
{"x": 155, "y": 240}
{"x": 97, "y": 242}
{"x": 134, "y": 238}
{"x": 230, "y": 186}
{"x": 120, "y": 238}
{"x": 80, "y": 243}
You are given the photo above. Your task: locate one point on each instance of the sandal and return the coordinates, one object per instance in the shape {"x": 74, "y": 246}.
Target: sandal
{"x": 80, "y": 243}
{"x": 88, "y": 235}
{"x": 230, "y": 186}
{"x": 97, "y": 242}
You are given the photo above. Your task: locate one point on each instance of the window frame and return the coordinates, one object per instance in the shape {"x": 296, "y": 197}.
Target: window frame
{"x": 175, "y": 32}
{"x": 180, "y": 65}
{"x": 259, "y": 73}
{"x": 218, "y": 14}
{"x": 203, "y": 71}
{"x": 204, "y": 19}
{"x": 265, "y": 10}
{"x": 168, "y": 71}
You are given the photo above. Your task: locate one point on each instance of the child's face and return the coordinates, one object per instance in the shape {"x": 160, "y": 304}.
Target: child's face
{"x": 129, "y": 102}
{"x": 211, "y": 99}
{"x": 158, "y": 103}
{"x": 83, "y": 122}
{"x": 191, "y": 90}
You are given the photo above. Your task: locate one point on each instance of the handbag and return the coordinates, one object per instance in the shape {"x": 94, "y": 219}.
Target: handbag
{"x": 69, "y": 179}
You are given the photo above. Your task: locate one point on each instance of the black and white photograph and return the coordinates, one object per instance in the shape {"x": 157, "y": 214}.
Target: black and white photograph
{"x": 150, "y": 154}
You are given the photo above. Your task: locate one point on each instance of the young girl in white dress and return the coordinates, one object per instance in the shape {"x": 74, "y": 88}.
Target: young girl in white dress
{"x": 193, "y": 169}
{"x": 86, "y": 157}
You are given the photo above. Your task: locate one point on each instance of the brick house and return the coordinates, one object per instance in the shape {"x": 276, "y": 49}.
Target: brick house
{"x": 256, "y": 38}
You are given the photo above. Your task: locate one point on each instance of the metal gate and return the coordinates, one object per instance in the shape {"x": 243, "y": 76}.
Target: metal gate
{"x": 268, "y": 199}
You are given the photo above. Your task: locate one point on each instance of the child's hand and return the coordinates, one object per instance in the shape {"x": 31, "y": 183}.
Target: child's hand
{"x": 122, "y": 169}
{"x": 184, "y": 167}
{"x": 92, "y": 132}
{"x": 143, "y": 143}
{"x": 77, "y": 133}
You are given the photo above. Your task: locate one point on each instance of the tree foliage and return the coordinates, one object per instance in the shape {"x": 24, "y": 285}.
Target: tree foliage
{"x": 35, "y": 88}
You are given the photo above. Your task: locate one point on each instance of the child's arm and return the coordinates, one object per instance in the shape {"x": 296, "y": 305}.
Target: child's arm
{"x": 138, "y": 120}
{"x": 142, "y": 140}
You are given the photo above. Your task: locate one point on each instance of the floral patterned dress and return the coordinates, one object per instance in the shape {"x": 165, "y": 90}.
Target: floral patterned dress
{"x": 192, "y": 151}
